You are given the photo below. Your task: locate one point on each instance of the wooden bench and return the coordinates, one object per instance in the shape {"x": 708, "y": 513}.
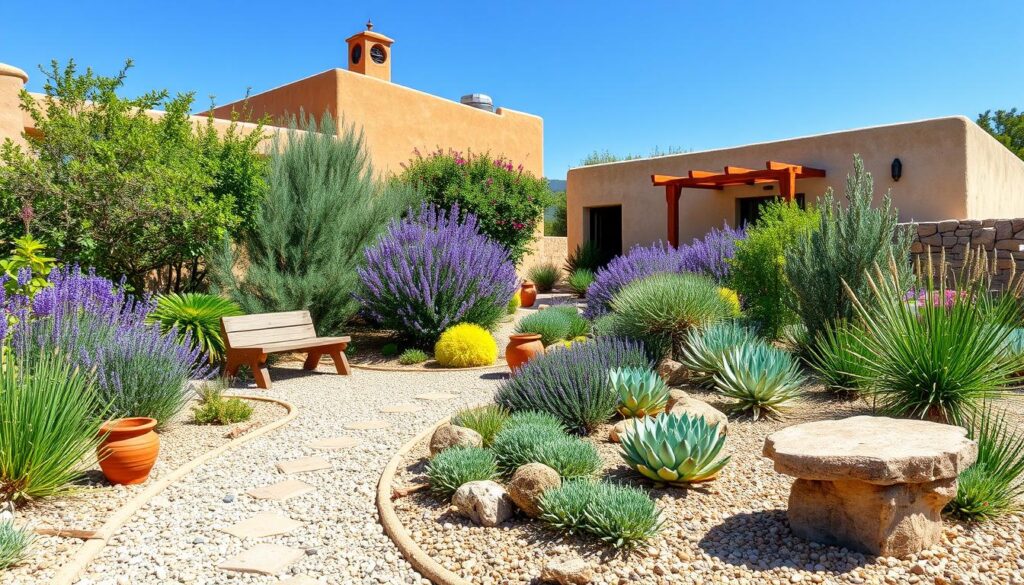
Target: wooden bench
{"x": 249, "y": 339}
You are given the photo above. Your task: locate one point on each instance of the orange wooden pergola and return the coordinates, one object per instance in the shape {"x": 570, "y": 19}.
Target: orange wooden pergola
{"x": 785, "y": 174}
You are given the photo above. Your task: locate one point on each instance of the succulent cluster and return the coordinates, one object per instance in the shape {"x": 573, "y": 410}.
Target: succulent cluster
{"x": 761, "y": 380}
{"x": 703, "y": 350}
{"x": 641, "y": 391}
{"x": 674, "y": 448}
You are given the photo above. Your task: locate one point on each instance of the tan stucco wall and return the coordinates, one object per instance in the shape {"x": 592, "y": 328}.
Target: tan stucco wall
{"x": 995, "y": 178}
{"x": 934, "y": 184}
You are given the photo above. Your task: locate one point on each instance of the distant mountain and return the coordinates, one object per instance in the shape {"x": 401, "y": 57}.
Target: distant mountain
{"x": 556, "y": 184}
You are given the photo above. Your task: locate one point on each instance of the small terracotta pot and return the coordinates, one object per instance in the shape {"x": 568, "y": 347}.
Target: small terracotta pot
{"x": 528, "y": 293}
{"x": 128, "y": 450}
{"x": 522, "y": 348}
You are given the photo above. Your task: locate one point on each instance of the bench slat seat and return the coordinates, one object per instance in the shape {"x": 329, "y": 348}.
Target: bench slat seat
{"x": 296, "y": 345}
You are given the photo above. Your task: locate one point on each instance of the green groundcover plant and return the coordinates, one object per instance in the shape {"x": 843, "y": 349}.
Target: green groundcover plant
{"x": 451, "y": 468}
{"x": 554, "y": 324}
{"x": 14, "y": 542}
{"x": 619, "y": 515}
{"x": 486, "y": 420}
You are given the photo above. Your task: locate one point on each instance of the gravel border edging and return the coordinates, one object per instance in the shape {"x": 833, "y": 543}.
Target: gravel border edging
{"x": 420, "y": 560}
{"x": 68, "y": 573}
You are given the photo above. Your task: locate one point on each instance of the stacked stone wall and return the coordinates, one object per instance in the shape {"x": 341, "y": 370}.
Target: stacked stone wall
{"x": 1001, "y": 240}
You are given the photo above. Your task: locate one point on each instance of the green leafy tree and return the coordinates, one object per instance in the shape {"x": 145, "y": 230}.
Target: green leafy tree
{"x": 323, "y": 206}
{"x": 1006, "y": 126}
{"x": 558, "y": 224}
{"x": 110, "y": 183}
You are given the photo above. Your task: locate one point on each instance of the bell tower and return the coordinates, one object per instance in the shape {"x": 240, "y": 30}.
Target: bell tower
{"x": 369, "y": 53}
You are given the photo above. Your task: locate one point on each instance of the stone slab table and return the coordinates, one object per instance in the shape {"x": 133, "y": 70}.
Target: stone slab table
{"x": 871, "y": 484}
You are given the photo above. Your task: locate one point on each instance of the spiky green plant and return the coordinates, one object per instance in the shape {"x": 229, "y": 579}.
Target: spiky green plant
{"x": 198, "y": 315}
{"x": 838, "y": 356}
{"x": 759, "y": 379}
{"x": 580, "y": 280}
{"x": 564, "y": 507}
{"x": 703, "y": 349}
{"x": 452, "y": 468}
{"x": 534, "y": 418}
{"x": 552, "y": 326}
{"x": 1015, "y": 341}
{"x": 49, "y": 425}
{"x": 571, "y": 457}
{"x": 413, "y": 356}
{"x": 486, "y": 420}
{"x": 215, "y": 408}
{"x": 674, "y": 448}
{"x": 641, "y": 391}
{"x": 618, "y": 515}
{"x": 545, "y": 276}
{"x": 991, "y": 487}
{"x": 586, "y": 256}
{"x": 14, "y": 542}
{"x": 578, "y": 324}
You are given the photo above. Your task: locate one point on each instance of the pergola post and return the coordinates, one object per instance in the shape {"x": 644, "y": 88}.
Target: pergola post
{"x": 787, "y": 184}
{"x": 672, "y": 193}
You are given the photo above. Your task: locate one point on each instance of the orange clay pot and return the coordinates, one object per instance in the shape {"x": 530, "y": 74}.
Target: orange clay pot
{"x": 522, "y": 348}
{"x": 128, "y": 450}
{"x": 527, "y": 293}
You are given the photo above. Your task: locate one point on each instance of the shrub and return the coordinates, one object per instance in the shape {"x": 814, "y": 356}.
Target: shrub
{"x": 674, "y": 448}
{"x": 661, "y": 309}
{"x": 50, "y": 417}
{"x": 322, "y": 208}
{"x": 516, "y": 444}
{"x": 508, "y": 201}
{"x": 486, "y": 420}
{"x": 839, "y": 356}
{"x": 545, "y": 276}
{"x": 215, "y": 409}
{"x": 571, "y": 457}
{"x": 991, "y": 488}
{"x": 452, "y": 468}
{"x": 641, "y": 391}
{"x": 572, "y": 384}
{"x": 26, "y": 255}
{"x": 702, "y": 353}
{"x": 619, "y": 515}
{"x": 389, "y": 349}
{"x": 430, "y": 271}
{"x": 413, "y": 356}
{"x": 464, "y": 346}
{"x": 554, "y": 324}
{"x": 14, "y": 542}
{"x": 195, "y": 316}
{"x": 758, "y": 268}
{"x": 711, "y": 254}
{"x": 850, "y": 239}
{"x": 514, "y": 303}
{"x": 534, "y": 418}
{"x": 760, "y": 379}
{"x": 580, "y": 280}
{"x": 731, "y": 300}
{"x": 586, "y": 256}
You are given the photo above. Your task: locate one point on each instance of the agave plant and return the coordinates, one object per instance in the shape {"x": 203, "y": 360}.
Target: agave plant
{"x": 674, "y": 448}
{"x": 702, "y": 352}
{"x": 641, "y": 391}
{"x": 198, "y": 315}
{"x": 760, "y": 379}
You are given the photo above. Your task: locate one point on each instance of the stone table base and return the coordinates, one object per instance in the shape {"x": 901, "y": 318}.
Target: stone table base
{"x": 890, "y": 520}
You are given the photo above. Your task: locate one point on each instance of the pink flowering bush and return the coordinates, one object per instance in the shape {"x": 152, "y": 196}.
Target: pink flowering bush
{"x": 507, "y": 201}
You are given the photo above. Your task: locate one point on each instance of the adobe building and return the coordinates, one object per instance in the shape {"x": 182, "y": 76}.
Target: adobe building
{"x": 940, "y": 169}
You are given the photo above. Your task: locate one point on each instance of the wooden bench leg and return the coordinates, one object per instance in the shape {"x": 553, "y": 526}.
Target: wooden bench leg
{"x": 258, "y": 365}
{"x": 312, "y": 360}
{"x": 231, "y": 365}
{"x": 340, "y": 361}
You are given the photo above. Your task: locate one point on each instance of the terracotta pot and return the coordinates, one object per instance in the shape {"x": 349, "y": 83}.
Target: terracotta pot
{"x": 128, "y": 450}
{"x": 528, "y": 293}
{"x": 522, "y": 348}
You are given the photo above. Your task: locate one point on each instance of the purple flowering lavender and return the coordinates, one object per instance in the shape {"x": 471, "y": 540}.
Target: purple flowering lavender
{"x": 431, "y": 271}
{"x": 708, "y": 255}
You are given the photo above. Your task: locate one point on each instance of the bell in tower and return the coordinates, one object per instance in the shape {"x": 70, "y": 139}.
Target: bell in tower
{"x": 369, "y": 53}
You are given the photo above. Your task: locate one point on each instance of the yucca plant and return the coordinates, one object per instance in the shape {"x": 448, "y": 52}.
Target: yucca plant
{"x": 991, "y": 487}
{"x": 838, "y": 356}
{"x": 196, "y": 315}
{"x": 49, "y": 426}
{"x": 580, "y": 280}
{"x": 674, "y": 448}
{"x": 703, "y": 349}
{"x": 486, "y": 420}
{"x": 759, "y": 379}
{"x": 641, "y": 391}
{"x": 586, "y": 256}
{"x": 14, "y": 542}
{"x": 545, "y": 276}
{"x": 621, "y": 516}
{"x": 452, "y": 468}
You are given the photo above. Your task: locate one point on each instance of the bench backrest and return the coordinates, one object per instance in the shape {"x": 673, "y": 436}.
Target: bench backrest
{"x": 267, "y": 328}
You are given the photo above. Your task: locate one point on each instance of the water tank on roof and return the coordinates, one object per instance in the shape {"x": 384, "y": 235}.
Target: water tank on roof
{"x": 479, "y": 101}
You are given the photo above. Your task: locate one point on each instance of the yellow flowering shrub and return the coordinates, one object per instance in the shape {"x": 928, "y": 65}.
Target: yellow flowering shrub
{"x": 466, "y": 345}
{"x": 732, "y": 300}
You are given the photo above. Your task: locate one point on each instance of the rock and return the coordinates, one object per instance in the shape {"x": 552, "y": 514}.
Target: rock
{"x": 619, "y": 428}
{"x": 228, "y": 498}
{"x": 528, "y": 483}
{"x": 673, "y": 372}
{"x": 926, "y": 229}
{"x": 484, "y": 502}
{"x": 447, "y": 436}
{"x": 7, "y": 512}
{"x": 681, "y": 402}
{"x": 948, "y": 225}
{"x": 570, "y": 571}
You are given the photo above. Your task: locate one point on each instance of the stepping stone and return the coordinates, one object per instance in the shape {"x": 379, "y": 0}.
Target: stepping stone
{"x": 265, "y": 559}
{"x": 402, "y": 408}
{"x": 289, "y": 488}
{"x": 367, "y": 425}
{"x": 302, "y": 465}
{"x": 435, "y": 396}
{"x": 333, "y": 443}
{"x": 261, "y": 525}
{"x": 302, "y": 580}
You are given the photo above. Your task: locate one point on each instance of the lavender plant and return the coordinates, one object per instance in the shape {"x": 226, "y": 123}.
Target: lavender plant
{"x": 431, "y": 271}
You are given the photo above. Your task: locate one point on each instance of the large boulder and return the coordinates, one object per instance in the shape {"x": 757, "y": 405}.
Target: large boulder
{"x": 484, "y": 502}
{"x": 681, "y": 402}
{"x": 448, "y": 436}
{"x": 527, "y": 485}
{"x": 672, "y": 372}
{"x": 570, "y": 571}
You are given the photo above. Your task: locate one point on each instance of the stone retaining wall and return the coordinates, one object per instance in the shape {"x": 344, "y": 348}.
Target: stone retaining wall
{"x": 1000, "y": 238}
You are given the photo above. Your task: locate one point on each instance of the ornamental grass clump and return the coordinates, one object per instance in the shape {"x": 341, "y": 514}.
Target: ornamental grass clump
{"x": 431, "y": 271}
{"x": 991, "y": 487}
{"x": 536, "y": 418}
{"x": 579, "y": 281}
{"x": 703, "y": 349}
{"x": 452, "y": 468}
{"x": 554, "y": 324}
{"x": 518, "y": 444}
{"x": 572, "y": 383}
{"x": 14, "y": 543}
{"x": 413, "y": 356}
{"x": 486, "y": 420}
{"x": 759, "y": 379}
{"x": 675, "y": 448}
{"x": 545, "y": 276}
{"x": 839, "y": 356}
{"x": 620, "y": 516}
{"x": 641, "y": 391}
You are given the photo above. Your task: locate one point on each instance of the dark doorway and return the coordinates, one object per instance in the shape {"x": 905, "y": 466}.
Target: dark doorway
{"x": 606, "y": 231}
{"x": 748, "y": 209}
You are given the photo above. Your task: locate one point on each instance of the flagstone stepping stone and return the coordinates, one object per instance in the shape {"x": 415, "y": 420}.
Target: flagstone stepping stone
{"x": 334, "y": 443}
{"x": 367, "y": 425}
{"x": 265, "y": 559}
{"x": 289, "y": 488}
{"x": 402, "y": 408}
{"x": 261, "y": 525}
{"x": 303, "y": 464}
{"x": 435, "y": 396}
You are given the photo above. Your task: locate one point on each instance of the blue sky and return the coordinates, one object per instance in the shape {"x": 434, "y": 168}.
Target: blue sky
{"x": 617, "y": 76}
